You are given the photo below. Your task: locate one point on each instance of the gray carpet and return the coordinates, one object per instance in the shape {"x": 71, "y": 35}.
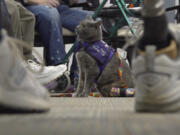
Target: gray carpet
{"x": 90, "y": 116}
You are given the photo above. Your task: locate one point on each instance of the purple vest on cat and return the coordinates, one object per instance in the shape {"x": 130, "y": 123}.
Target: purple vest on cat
{"x": 100, "y": 51}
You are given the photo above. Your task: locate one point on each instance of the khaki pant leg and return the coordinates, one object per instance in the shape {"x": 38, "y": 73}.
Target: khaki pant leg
{"x": 27, "y": 20}
{"x": 14, "y": 18}
{"x": 23, "y": 25}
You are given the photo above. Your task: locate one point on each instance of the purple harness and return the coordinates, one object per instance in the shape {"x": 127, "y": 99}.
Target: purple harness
{"x": 100, "y": 51}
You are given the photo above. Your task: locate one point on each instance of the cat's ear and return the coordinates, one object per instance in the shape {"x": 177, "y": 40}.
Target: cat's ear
{"x": 98, "y": 23}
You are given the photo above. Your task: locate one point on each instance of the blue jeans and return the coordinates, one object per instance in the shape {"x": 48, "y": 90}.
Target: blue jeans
{"x": 49, "y": 22}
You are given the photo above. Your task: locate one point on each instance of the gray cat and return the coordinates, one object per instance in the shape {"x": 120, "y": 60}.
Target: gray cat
{"x": 89, "y": 32}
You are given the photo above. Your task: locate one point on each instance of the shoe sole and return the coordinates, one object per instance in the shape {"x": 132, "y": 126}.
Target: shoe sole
{"x": 169, "y": 101}
{"x": 161, "y": 108}
{"x": 20, "y": 101}
{"x": 164, "y": 99}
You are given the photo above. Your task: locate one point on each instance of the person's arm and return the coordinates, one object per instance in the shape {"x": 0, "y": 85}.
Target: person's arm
{"x": 53, "y": 3}
{"x": 35, "y": 2}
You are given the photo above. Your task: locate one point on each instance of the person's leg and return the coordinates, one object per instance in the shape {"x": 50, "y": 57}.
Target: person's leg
{"x": 14, "y": 18}
{"x": 19, "y": 91}
{"x": 27, "y": 21}
{"x": 6, "y": 22}
{"x": 48, "y": 23}
{"x": 22, "y": 22}
{"x": 72, "y": 17}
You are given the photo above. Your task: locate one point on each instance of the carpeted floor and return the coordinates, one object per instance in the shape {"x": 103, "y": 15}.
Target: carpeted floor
{"x": 90, "y": 116}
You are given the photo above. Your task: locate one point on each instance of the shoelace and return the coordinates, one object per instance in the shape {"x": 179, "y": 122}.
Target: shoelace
{"x": 34, "y": 65}
{"x": 12, "y": 42}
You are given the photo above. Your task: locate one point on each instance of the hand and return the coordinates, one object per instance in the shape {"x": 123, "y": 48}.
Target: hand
{"x": 51, "y": 3}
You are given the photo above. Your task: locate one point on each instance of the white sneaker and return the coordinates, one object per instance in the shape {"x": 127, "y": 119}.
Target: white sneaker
{"x": 157, "y": 82}
{"x": 49, "y": 73}
{"x": 18, "y": 89}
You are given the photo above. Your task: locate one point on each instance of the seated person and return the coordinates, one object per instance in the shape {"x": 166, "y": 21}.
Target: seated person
{"x": 51, "y": 16}
{"x": 20, "y": 24}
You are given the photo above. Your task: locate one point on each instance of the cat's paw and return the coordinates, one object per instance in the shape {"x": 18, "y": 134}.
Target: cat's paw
{"x": 76, "y": 94}
{"x": 84, "y": 94}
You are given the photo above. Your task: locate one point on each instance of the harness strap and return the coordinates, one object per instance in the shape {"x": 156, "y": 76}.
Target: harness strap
{"x": 104, "y": 65}
{"x": 120, "y": 72}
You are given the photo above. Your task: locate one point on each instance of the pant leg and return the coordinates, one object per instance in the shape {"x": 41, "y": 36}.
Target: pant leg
{"x": 27, "y": 21}
{"x": 48, "y": 23}
{"x": 72, "y": 17}
{"x": 14, "y": 18}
